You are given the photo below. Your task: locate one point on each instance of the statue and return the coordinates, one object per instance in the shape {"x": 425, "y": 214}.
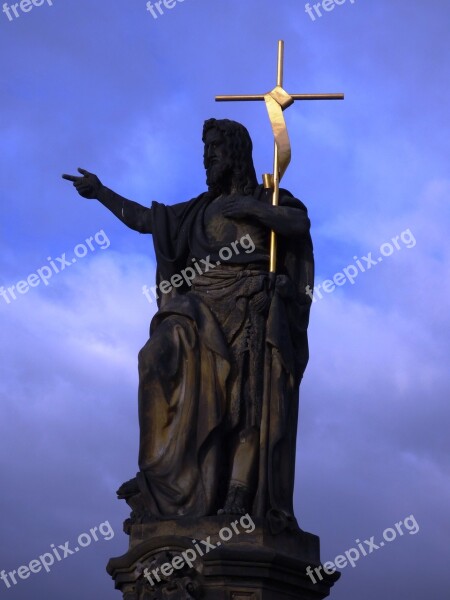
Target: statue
{"x": 220, "y": 374}
{"x": 219, "y": 379}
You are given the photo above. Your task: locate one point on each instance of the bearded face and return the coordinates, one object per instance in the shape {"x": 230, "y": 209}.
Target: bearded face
{"x": 216, "y": 160}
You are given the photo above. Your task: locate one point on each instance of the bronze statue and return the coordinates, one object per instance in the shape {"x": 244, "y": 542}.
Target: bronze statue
{"x": 220, "y": 374}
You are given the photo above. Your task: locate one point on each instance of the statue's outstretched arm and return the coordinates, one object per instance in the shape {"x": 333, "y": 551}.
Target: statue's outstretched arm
{"x": 131, "y": 213}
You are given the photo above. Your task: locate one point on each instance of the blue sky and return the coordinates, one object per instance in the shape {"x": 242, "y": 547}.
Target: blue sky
{"x": 111, "y": 89}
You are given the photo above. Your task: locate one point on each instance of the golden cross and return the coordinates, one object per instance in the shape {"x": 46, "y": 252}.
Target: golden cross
{"x": 276, "y": 102}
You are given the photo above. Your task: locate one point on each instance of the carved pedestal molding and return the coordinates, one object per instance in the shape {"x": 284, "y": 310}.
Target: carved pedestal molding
{"x": 252, "y": 565}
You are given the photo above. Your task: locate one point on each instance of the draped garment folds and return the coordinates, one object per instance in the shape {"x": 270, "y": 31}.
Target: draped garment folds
{"x": 219, "y": 361}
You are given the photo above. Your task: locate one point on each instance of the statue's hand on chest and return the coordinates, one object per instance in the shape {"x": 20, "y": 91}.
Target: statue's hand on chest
{"x": 228, "y": 216}
{"x": 238, "y": 207}
{"x": 231, "y": 207}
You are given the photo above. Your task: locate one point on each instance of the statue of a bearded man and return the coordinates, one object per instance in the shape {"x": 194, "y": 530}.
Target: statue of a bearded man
{"x": 219, "y": 377}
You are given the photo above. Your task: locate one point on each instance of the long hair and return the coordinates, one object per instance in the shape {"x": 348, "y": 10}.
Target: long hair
{"x": 239, "y": 147}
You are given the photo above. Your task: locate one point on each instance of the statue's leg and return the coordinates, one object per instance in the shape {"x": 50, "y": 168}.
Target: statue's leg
{"x": 168, "y": 405}
{"x": 247, "y": 389}
{"x": 243, "y": 473}
{"x": 181, "y": 405}
{"x": 164, "y": 375}
{"x": 245, "y": 457}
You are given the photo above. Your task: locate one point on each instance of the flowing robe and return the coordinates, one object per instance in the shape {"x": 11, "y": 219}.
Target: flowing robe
{"x": 225, "y": 355}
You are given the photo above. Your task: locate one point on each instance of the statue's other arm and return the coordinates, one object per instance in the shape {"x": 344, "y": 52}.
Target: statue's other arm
{"x": 285, "y": 220}
{"x": 131, "y": 213}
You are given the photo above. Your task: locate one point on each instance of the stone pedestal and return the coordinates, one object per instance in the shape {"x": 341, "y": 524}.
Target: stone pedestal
{"x": 219, "y": 558}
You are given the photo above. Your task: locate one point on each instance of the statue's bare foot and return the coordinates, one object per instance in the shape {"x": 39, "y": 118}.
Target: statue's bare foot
{"x": 128, "y": 489}
{"x": 236, "y": 502}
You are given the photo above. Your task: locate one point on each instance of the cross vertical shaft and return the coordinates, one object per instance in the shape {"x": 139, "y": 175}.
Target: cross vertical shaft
{"x": 276, "y": 170}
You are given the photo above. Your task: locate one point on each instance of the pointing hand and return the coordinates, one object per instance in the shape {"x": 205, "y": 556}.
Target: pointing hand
{"x": 87, "y": 186}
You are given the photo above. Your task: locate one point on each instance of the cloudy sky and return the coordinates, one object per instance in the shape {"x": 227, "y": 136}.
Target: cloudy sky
{"x": 108, "y": 87}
